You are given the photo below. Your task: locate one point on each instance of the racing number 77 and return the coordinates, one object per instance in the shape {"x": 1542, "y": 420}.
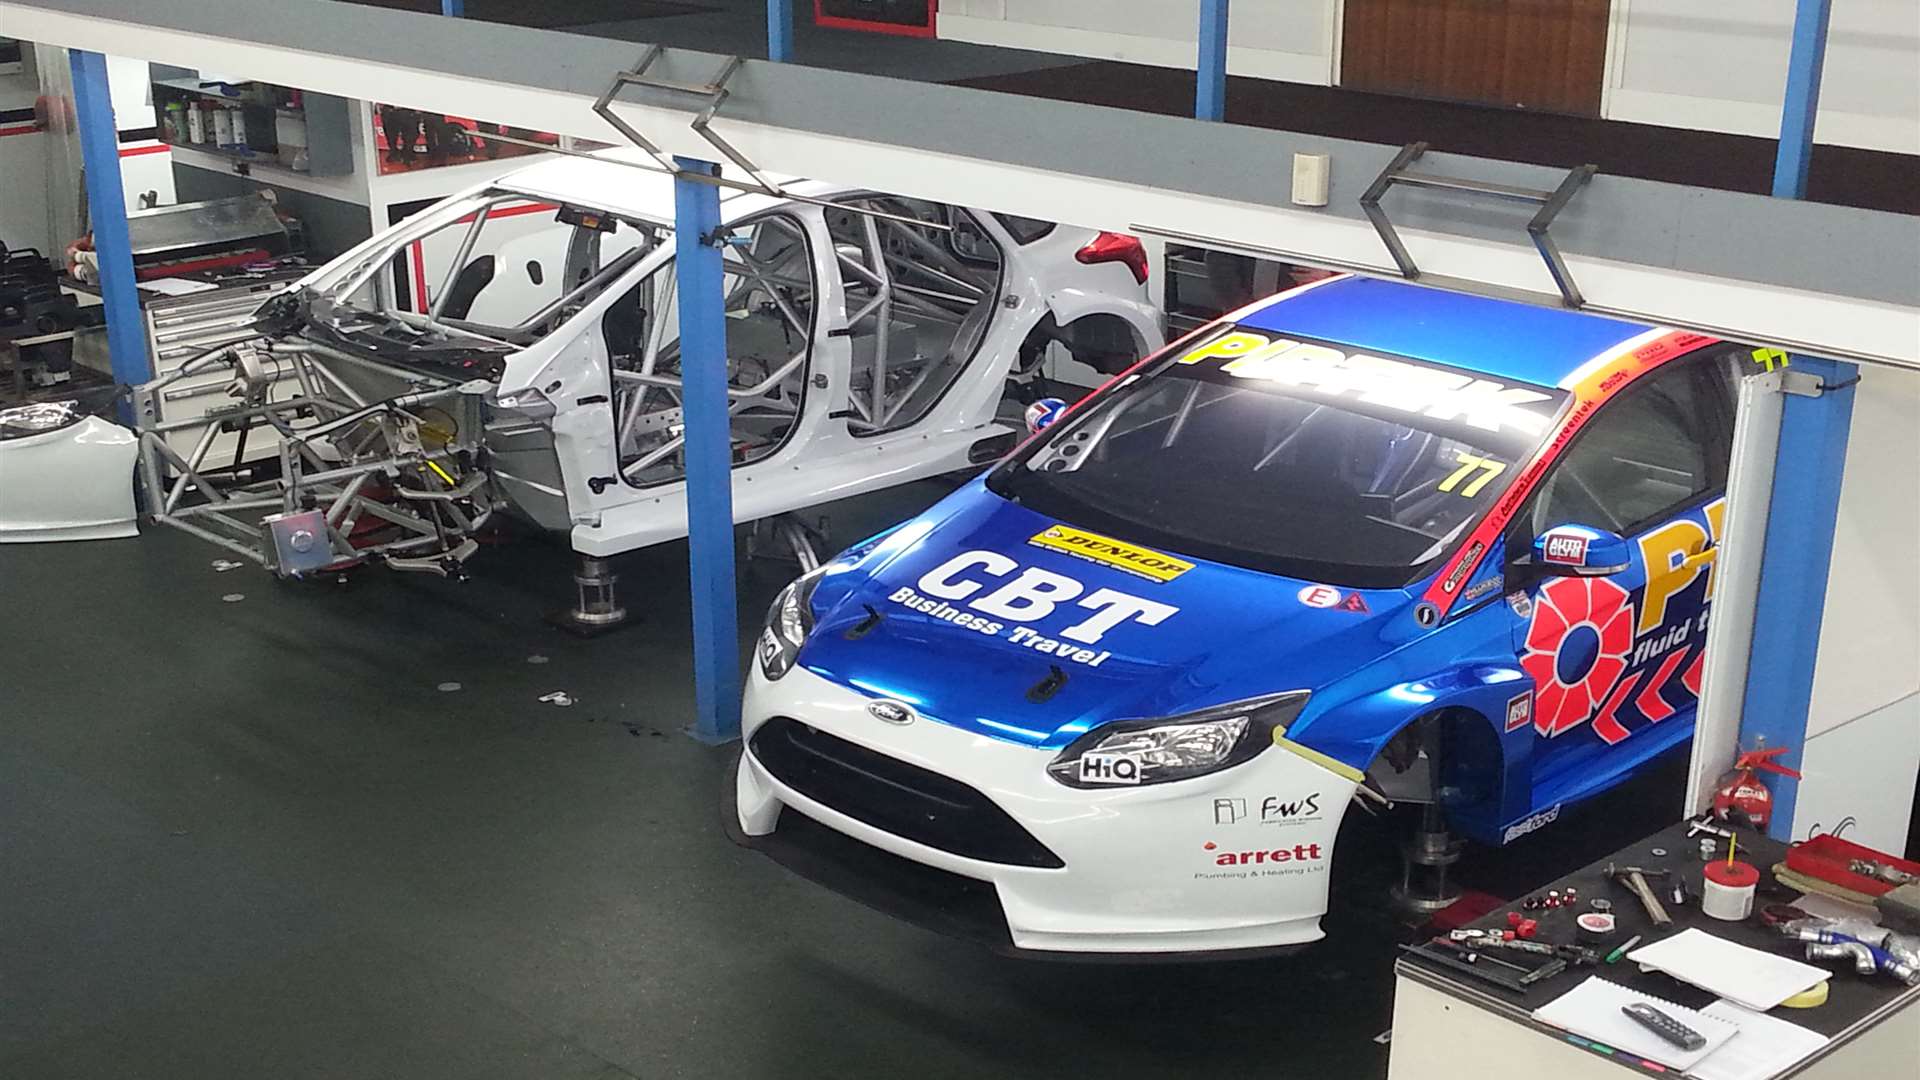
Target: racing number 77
{"x": 1468, "y": 464}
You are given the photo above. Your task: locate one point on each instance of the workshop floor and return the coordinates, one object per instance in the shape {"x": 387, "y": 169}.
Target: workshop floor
{"x": 253, "y": 838}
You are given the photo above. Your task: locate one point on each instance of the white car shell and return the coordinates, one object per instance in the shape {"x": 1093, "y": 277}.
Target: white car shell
{"x": 559, "y": 385}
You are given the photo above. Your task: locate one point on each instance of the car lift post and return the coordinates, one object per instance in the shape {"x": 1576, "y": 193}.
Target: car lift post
{"x": 453, "y": 9}
{"x": 780, "y": 30}
{"x": 1816, "y": 417}
{"x": 1804, "y": 67}
{"x": 1210, "y": 99}
{"x": 697, "y": 240}
{"x": 107, "y": 212}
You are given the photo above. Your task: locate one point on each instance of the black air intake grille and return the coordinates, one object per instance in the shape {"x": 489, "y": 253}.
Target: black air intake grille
{"x": 891, "y": 795}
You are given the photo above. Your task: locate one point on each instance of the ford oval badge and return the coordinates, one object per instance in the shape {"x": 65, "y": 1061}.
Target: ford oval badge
{"x": 891, "y": 712}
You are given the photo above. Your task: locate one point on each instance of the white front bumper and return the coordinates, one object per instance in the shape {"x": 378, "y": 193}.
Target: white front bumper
{"x": 1193, "y": 865}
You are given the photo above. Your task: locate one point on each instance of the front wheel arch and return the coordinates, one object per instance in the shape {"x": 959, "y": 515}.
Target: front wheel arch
{"x": 1471, "y": 766}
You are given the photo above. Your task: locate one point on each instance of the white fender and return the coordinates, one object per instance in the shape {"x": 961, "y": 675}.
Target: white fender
{"x": 71, "y": 483}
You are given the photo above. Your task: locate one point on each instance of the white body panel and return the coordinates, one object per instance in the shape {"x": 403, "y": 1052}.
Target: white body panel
{"x": 73, "y": 483}
{"x": 1178, "y": 867}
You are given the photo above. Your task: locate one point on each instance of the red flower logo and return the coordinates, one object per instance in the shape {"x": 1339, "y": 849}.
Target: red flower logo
{"x": 1577, "y": 646}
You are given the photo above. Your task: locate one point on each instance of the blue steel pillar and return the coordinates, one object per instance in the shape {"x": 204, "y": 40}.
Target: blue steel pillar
{"x": 453, "y": 8}
{"x": 780, "y": 30}
{"x": 1793, "y": 575}
{"x": 1804, "y": 66}
{"x": 107, "y": 210}
{"x": 703, "y": 376}
{"x": 1210, "y": 97}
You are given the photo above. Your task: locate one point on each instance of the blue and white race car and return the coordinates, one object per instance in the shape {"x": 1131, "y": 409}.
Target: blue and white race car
{"x": 1455, "y": 549}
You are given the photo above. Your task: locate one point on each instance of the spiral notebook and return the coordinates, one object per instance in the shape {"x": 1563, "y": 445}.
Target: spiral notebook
{"x": 1592, "y": 1010}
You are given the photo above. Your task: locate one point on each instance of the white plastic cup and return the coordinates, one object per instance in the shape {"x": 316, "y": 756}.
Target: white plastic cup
{"x": 1727, "y": 890}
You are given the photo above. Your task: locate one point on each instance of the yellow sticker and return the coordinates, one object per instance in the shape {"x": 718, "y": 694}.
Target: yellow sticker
{"x": 1771, "y": 358}
{"x": 1468, "y": 464}
{"x": 1107, "y": 551}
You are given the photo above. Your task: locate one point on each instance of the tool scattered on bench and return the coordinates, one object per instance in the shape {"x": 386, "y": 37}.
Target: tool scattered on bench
{"x": 1635, "y": 879}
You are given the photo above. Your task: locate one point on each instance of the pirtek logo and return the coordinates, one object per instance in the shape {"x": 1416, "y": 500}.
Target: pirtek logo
{"x": 1296, "y": 853}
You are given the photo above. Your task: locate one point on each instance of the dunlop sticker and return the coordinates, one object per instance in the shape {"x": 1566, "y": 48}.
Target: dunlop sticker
{"x": 1105, "y": 550}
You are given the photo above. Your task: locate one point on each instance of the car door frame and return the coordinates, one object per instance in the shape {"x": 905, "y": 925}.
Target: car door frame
{"x": 1527, "y": 580}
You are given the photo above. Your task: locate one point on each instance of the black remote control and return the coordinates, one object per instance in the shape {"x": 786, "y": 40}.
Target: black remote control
{"x": 1664, "y": 1026}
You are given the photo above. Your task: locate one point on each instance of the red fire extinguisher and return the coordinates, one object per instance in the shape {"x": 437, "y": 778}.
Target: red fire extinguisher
{"x": 1741, "y": 798}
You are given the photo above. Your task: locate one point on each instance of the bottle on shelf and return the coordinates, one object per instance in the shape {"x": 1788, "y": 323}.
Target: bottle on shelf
{"x": 223, "y": 127}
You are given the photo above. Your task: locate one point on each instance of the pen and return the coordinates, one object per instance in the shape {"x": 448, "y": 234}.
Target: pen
{"x": 1614, "y": 956}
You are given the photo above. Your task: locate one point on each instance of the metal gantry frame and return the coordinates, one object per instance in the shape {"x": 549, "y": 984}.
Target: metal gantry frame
{"x": 1551, "y": 203}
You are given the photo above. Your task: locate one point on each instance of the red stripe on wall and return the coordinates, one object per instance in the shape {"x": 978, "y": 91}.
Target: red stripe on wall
{"x": 137, "y": 151}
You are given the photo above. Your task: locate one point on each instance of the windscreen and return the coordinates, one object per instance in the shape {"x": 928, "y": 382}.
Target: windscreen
{"x": 1288, "y": 456}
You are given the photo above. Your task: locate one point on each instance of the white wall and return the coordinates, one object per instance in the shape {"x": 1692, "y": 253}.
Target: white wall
{"x": 1723, "y": 67}
{"x": 1677, "y": 63}
{"x": 1863, "y": 748}
{"x": 1269, "y": 39}
{"x": 142, "y": 168}
{"x": 23, "y": 164}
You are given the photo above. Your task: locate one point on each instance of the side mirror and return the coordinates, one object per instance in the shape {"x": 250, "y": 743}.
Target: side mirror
{"x": 1041, "y": 414}
{"x": 1581, "y": 551}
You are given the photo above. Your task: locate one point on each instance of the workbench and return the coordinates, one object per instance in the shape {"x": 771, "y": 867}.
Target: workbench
{"x": 1448, "y": 1024}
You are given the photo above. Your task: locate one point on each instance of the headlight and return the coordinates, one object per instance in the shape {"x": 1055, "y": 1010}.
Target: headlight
{"x": 1175, "y": 747}
{"x": 789, "y": 621}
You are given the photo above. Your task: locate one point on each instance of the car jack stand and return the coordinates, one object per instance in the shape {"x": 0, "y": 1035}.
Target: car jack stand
{"x": 1426, "y": 860}
{"x": 598, "y": 610}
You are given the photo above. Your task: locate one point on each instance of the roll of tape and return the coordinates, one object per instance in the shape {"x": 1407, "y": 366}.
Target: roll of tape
{"x": 1808, "y": 999}
{"x": 1595, "y": 924}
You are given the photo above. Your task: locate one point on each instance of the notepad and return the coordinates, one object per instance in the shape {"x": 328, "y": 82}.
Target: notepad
{"x": 1759, "y": 980}
{"x": 1592, "y": 1010}
{"x": 1767, "y": 1046}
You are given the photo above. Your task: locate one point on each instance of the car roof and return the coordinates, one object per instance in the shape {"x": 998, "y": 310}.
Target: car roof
{"x": 608, "y": 181}
{"x": 1504, "y": 339}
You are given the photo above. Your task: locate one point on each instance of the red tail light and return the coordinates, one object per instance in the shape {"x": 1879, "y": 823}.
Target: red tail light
{"x": 1116, "y": 247}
